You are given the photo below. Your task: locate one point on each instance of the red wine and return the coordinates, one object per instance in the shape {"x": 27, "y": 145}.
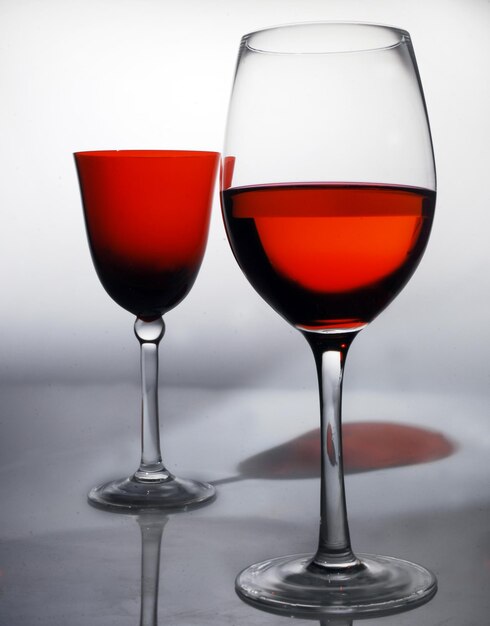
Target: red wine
{"x": 147, "y": 216}
{"x": 328, "y": 256}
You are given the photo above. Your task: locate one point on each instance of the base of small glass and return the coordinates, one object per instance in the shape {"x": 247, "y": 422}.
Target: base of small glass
{"x": 379, "y": 586}
{"x": 131, "y": 494}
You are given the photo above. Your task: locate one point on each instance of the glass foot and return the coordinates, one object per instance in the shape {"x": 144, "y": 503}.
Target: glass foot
{"x": 380, "y": 585}
{"x": 170, "y": 494}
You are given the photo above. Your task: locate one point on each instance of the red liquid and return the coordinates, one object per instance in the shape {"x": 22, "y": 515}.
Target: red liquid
{"x": 147, "y": 216}
{"x": 328, "y": 256}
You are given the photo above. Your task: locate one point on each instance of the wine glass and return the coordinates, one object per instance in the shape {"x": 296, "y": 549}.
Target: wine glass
{"x": 147, "y": 216}
{"x": 328, "y": 193}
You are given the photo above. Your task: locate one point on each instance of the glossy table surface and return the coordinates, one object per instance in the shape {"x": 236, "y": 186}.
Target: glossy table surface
{"x": 417, "y": 486}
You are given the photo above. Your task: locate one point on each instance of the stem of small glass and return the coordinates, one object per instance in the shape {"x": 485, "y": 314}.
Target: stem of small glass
{"x": 151, "y": 538}
{"x": 149, "y": 334}
{"x": 334, "y": 548}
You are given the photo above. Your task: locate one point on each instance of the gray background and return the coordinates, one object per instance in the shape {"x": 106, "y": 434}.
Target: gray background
{"x": 105, "y": 74}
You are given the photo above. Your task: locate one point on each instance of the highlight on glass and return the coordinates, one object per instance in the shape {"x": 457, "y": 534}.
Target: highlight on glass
{"x": 147, "y": 216}
{"x": 328, "y": 191}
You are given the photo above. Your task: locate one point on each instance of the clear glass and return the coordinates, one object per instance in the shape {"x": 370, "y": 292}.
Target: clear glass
{"x": 147, "y": 216}
{"x": 328, "y": 193}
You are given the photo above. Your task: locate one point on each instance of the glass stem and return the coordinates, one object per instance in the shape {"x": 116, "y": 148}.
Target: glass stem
{"x": 151, "y": 538}
{"x": 334, "y": 548}
{"x": 149, "y": 334}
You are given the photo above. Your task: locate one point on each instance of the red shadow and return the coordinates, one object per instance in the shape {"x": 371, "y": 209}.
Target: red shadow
{"x": 367, "y": 446}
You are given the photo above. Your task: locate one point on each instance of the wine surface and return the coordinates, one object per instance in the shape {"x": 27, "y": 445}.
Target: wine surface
{"x": 328, "y": 256}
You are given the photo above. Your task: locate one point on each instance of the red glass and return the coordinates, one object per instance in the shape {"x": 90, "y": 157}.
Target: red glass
{"x": 147, "y": 215}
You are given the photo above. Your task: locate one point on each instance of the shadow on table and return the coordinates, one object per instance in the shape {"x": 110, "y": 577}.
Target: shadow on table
{"x": 367, "y": 446}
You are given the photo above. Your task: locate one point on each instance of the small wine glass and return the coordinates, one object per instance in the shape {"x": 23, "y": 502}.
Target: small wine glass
{"x": 328, "y": 194}
{"x": 147, "y": 216}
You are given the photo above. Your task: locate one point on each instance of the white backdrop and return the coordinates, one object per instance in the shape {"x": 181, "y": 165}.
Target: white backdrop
{"x": 103, "y": 74}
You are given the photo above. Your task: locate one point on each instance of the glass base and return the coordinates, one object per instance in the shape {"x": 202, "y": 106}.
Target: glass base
{"x": 379, "y": 586}
{"x": 131, "y": 494}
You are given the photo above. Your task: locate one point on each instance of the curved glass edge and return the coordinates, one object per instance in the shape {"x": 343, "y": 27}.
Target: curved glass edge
{"x": 403, "y": 36}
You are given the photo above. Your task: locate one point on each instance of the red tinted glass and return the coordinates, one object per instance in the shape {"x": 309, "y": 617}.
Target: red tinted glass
{"x": 147, "y": 215}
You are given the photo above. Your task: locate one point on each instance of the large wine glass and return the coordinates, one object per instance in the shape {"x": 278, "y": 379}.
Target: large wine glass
{"x": 147, "y": 217}
{"x": 328, "y": 193}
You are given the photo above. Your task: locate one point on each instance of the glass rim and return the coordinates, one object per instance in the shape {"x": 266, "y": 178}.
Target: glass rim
{"x": 145, "y": 153}
{"x": 398, "y": 36}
